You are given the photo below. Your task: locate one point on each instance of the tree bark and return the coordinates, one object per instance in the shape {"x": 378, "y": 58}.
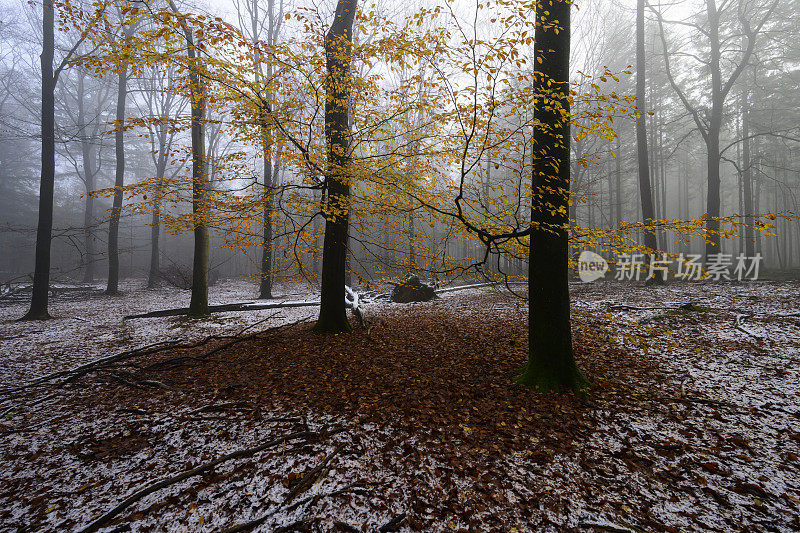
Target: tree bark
{"x": 89, "y": 174}
{"x": 551, "y": 363}
{"x": 618, "y": 183}
{"x": 645, "y": 189}
{"x": 747, "y": 179}
{"x": 44, "y": 231}
{"x": 198, "y": 304}
{"x": 154, "y": 276}
{"x": 119, "y": 182}
{"x": 270, "y": 174}
{"x": 338, "y": 52}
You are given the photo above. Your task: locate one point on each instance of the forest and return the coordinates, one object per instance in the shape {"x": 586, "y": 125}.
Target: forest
{"x": 375, "y": 266}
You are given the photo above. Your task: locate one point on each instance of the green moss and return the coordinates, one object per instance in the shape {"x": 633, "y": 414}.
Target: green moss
{"x": 546, "y": 378}
{"x": 325, "y": 326}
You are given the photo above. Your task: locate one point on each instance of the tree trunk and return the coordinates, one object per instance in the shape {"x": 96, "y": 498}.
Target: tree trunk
{"x": 198, "y": 304}
{"x": 155, "y": 225}
{"x": 618, "y": 184}
{"x": 645, "y": 190}
{"x": 41, "y": 275}
{"x": 155, "y": 234}
{"x": 747, "y": 179}
{"x": 119, "y": 182}
{"x": 89, "y": 173}
{"x": 712, "y": 137}
{"x": 338, "y": 52}
{"x": 551, "y": 363}
{"x": 270, "y": 174}
{"x": 265, "y": 289}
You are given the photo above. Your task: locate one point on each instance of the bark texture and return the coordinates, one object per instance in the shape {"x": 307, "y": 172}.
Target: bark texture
{"x": 551, "y": 363}
{"x": 44, "y": 230}
{"x": 338, "y": 52}
{"x": 119, "y": 182}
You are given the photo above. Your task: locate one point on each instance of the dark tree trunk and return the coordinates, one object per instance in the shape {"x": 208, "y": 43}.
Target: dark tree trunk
{"x": 747, "y": 179}
{"x": 89, "y": 174}
{"x": 338, "y": 52}
{"x": 270, "y": 182}
{"x": 618, "y": 184}
{"x": 41, "y": 275}
{"x": 198, "y": 305}
{"x": 645, "y": 190}
{"x": 155, "y": 234}
{"x": 119, "y": 183}
{"x": 712, "y": 137}
{"x": 551, "y": 363}
{"x": 265, "y": 290}
{"x": 154, "y": 276}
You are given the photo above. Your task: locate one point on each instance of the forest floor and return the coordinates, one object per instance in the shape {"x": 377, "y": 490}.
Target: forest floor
{"x": 414, "y": 424}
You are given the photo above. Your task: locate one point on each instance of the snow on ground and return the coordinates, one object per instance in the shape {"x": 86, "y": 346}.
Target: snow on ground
{"x": 92, "y": 325}
{"x": 717, "y": 451}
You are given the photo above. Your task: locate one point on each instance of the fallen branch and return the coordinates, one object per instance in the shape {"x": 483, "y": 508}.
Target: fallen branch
{"x": 110, "y": 361}
{"x": 607, "y": 526}
{"x": 235, "y": 340}
{"x": 239, "y": 406}
{"x": 247, "y": 526}
{"x": 235, "y": 307}
{"x": 477, "y": 286}
{"x": 88, "y": 367}
{"x": 309, "y": 478}
{"x": 166, "y": 482}
{"x": 687, "y": 306}
{"x": 357, "y": 488}
{"x": 393, "y": 524}
{"x": 738, "y": 324}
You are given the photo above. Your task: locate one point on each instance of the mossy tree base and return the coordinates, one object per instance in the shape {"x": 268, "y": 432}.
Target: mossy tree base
{"x": 544, "y": 378}
{"x": 329, "y": 325}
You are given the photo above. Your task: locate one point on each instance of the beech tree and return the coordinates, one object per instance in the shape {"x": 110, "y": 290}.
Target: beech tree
{"x": 112, "y": 286}
{"x": 338, "y": 55}
{"x": 551, "y": 362}
{"x": 645, "y": 190}
{"x": 44, "y": 231}
{"x": 198, "y": 305}
{"x": 709, "y": 120}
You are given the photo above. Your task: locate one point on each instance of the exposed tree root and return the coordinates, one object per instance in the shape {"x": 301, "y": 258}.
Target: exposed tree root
{"x": 198, "y": 470}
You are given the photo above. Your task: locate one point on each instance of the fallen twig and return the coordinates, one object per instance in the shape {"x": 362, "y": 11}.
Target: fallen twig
{"x": 738, "y": 323}
{"x": 393, "y": 524}
{"x": 352, "y": 487}
{"x": 309, "y": 478}
{"x": 224, "y": 308}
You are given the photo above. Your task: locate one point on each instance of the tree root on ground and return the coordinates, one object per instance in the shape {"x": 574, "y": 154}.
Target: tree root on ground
{"x": 106, "y": 517}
